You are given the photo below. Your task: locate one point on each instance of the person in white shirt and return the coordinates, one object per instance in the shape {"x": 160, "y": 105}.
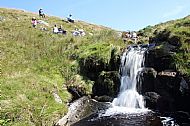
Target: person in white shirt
{"x": 55, "y": 30}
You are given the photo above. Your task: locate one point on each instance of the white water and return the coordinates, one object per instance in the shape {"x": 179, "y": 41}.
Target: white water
{"x": 131, "y": 63}
{"x": 129, "y": 100}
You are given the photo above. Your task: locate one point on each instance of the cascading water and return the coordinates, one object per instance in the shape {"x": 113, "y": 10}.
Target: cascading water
{"x": 131, "y": 62}
{"x": 129, "y": 100}
{"x": 128, "y": 108}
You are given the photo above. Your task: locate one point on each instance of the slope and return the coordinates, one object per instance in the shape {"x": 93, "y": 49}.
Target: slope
{"x": 36, "y": 65}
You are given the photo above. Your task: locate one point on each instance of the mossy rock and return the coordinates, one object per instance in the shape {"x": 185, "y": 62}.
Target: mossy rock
{"x": 107, "y": 84}
{"x": 97, "y": 58}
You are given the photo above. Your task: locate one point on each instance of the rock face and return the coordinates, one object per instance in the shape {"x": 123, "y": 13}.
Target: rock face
{"x": 164, "y": 88}
{"x": 104, "y": 74}
{"x": 146, "y": 80}
{"x": 80, "y": 109}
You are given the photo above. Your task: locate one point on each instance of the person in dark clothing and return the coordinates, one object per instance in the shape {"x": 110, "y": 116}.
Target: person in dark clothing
{"x": 41, "y": 13}
{"x": 70, "y": 19}
{"x": 61, "y": 30}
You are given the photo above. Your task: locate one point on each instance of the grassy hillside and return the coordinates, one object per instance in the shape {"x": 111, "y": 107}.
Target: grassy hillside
{"x": 172, "y": 34}
{"x": 35, "y": 64}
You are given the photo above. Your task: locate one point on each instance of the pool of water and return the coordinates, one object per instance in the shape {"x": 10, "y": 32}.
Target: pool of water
{"x": 147, "y": 118}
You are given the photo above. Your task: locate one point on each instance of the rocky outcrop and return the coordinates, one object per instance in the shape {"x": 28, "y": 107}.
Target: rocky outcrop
{"x": 80, "y": 109}
{"x": 164, "y": 87}
{"x": 104, "y": 74}
{"x": 92, "y": 65}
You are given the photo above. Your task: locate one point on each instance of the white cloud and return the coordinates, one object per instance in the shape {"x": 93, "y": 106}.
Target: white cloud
{"x": 177, "y": 10}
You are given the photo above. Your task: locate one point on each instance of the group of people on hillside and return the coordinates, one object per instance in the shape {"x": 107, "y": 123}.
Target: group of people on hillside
{"x": 78, "y": 32}
{"x": 35, "y": 21}
{"x": 131, "y": 35}
{"x": 57, "y": 30}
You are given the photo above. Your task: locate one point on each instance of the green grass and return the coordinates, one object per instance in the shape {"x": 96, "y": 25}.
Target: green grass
{"x": 176, "y": 28}
{"x": 36, "y": 63}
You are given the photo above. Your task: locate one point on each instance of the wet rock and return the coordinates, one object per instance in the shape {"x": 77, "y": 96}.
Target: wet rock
{"x": 80, "y": 109}
{"x": 151, "y": 99}
{"x": 104, "y": 98}
{"x": 146, "y": 79}
{"x": 165, "y": 103}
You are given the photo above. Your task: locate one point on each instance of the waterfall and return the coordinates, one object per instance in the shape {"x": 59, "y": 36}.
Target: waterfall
{"x": 131, "y": 63}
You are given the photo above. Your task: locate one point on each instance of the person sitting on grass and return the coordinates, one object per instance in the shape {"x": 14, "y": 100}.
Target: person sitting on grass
{"x": 41, "y": 13}
{"x": 69, "y": 19}
{"x": 76, "y": 32}
{"x": 34, "y": 22}
{"x": 62, "y": 31}
{"x": 55, "y": 29}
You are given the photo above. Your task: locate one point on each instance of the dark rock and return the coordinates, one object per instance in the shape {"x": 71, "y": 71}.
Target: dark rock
{"x": 160, "y": 36}
{"x": 76, "y": 91}
{"x": 160, "y": 59}
{"x": 187, "y": 41}
{"x": 184, "y": 87}
{"x": 103, "y": 98}
{"x": 144, "y": 45}
{"x": 182, "y": 117}
{"x": 175, "y": 41}
{"x": 165, "y": 103}
{"x": 146, "y": 79}
{"x": 151, "y": 99}
{"x": 107, "y": 84}
{"x": 114, "y": 61}
{"x": 91, "y": 67}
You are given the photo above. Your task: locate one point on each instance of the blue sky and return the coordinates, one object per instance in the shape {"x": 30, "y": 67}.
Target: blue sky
{"x": 117, "y": 14}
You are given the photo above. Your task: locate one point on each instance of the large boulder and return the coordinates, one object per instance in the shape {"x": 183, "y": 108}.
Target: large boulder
{"x": 160, "y": 58}
{"x": 151, "y": 99}
{"x": 80, "y": 109}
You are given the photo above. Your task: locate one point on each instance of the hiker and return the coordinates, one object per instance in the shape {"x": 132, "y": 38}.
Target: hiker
{"x": 60, "y": 30}
{"x": 76, "y": 32}
{"x": 41, "y": 13}
{"x": 82, "y": 33}
{"x": 69, "y": 19}
{"x": 34, "y": 22}
{"x": 55, "y": 29}
{"x": 134, "y": 37}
